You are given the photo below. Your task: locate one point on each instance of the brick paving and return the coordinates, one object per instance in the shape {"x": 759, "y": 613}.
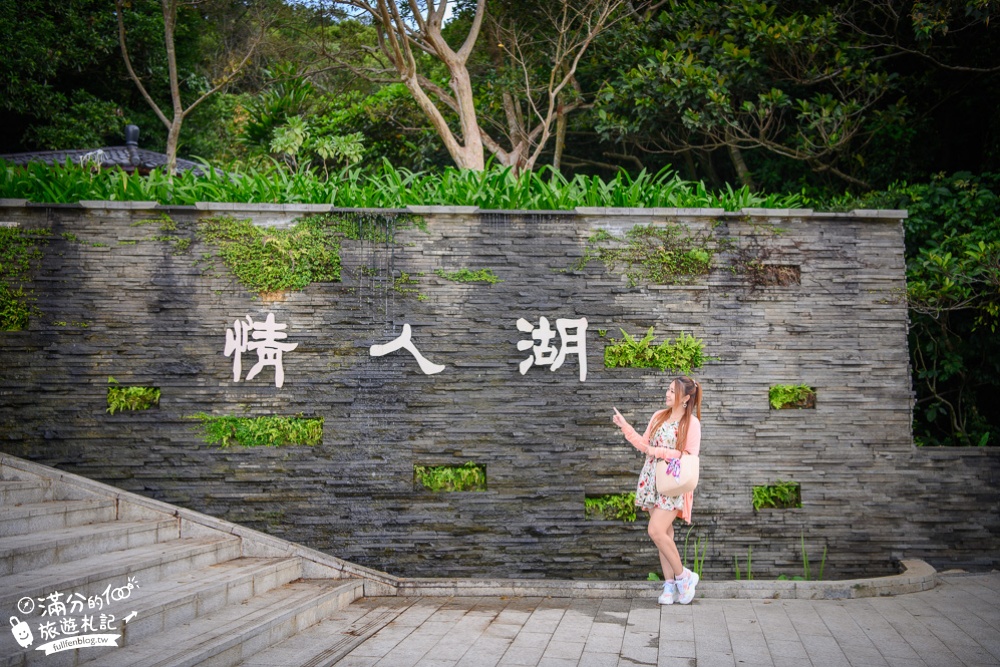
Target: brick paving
{"x": 955, "y": 624}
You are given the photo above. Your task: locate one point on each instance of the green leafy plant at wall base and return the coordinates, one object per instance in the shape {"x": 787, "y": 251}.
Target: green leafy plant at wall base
{"x": 749, "y": 566}
{"x": 683, "y": 355}
{"x": 469, "y": 476}
{"x": 700, "y": 546}
{"x": 806, "y": 569}
{"x": 266, "y": 431}
{"x": 131, "y": 398}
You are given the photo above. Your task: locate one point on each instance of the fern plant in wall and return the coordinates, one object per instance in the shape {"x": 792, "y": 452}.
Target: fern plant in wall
{"x": 131, "y": 398}
{"x": 786, "y": 396}
{"x": 684, "y": 355}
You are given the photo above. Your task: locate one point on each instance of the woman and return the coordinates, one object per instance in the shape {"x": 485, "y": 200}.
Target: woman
{"x": 672, "y": 432}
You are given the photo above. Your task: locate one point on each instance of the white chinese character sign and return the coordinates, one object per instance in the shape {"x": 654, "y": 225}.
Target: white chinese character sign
{"x": 572, "y": 340}
{"x": 404, "y": 342}
{"x": 265, "y": 336}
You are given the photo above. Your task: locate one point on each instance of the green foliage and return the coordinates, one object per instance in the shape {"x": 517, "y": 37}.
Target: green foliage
{"x": 270, "y": 260}
{"x": 64, "y": 78}
{"x": 401, "y": 285}
{"x": 780, "y": 495}
{"x": 787, "y": 78}
{"x": 470, "y": 276}
{"x": 953, "y": 291}
{"x": 791, "y": 396}
{"x": 469, "y": 476}
{"x": 652, "y": 576}
{"x": 381, "y": 187}
{"x": 685, "y": 355}
{"x": 658, "y": 255}
{"x": 806, "y": 569}
{"x": 167, "y": 225}
{"x": 289, "y": 96}
{"x": 19, "y": 252}
{"x": 700, "y": 551}
{"x": 266, "y": 431}
{"x": 749, "y": 566}
{"x": 131, "y": 398}
{"x": 297, "y": 138}
{"x": 85, "y": 121}
{"x": 15, "y": 311}
{"x": 611, "y": 507}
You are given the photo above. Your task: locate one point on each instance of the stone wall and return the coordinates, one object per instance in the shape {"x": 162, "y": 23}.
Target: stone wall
{"x": 115, "y": 301}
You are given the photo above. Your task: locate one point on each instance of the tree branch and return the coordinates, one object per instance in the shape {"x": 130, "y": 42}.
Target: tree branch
{"x": 128, "y": 65}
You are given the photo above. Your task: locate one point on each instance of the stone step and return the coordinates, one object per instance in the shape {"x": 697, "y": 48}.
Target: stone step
{"x": 329, "y": 641}
{"x": 34, "y": 485}
{"x": 230, "y": 635}
{"x": 20, "y": 553}
{"x": 53, "y": 515}
{"x": 146, "y": 565}
{"x": 168, "y": 603}
{"x": 18, "y": 492}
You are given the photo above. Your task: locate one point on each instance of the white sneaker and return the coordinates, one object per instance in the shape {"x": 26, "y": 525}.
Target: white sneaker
{"x": 685, "y": 586}
{"x": 669, "y": 593}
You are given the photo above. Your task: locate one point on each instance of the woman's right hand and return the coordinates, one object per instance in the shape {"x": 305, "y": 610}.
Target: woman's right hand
{"x": 618, "y": 419}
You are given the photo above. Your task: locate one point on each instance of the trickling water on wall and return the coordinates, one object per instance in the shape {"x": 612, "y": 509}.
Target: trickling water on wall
{"x": 373, "y": 274}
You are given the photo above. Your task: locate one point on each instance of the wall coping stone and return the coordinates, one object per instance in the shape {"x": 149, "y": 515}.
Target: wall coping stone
{"x": 443, "y": 210}
{"x": 269, "y": 208}
{"x": 887, "y": 214}
{"x": 890, "y": 214}
{"x": 524, "y": 211}
{"x": 607, "y": 210}
{"x": 778, "y": 212}
{"x": 880, "y": 213}
{"x": 119, "y": 205}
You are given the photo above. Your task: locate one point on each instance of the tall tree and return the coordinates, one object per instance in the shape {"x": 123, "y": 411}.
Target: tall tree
{"x": 412, "y": 43}
{"x": 60, "y": 73}
{"x": 228, "y": 62}
{"x": 746, "y": 75}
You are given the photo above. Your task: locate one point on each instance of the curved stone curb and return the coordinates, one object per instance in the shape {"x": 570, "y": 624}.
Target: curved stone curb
{"x": 916, "y": 576}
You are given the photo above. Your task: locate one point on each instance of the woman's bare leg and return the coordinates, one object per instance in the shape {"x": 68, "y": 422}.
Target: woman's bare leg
{"x": 661, "y": 531}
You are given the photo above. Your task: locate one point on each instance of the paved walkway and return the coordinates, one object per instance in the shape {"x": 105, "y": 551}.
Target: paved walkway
{"x": 956, "y": 623}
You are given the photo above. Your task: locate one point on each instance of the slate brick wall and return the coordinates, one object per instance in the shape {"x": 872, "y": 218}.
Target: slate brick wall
{"x": 114, "y": 301}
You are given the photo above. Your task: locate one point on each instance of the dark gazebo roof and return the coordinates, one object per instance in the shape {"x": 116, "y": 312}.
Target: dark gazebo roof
{"x": 129, "y": 157}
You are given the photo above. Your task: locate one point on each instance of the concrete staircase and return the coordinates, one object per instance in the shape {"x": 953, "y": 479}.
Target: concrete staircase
{"x": 203, "y": 591}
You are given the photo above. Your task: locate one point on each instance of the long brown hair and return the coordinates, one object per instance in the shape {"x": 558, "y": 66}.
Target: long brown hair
{"x": 685, "y": 390}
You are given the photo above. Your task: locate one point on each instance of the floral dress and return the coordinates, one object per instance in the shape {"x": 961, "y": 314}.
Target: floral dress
{"x": 646, "y": 496}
